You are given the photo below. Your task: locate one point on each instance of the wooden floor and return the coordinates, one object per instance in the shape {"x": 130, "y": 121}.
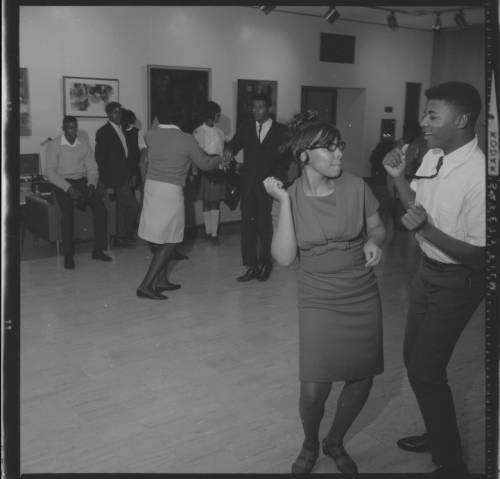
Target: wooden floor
{"x": 206, "y": 381}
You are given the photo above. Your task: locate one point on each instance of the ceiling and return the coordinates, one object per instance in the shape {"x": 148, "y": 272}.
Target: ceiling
{"x": 422, "y": 18}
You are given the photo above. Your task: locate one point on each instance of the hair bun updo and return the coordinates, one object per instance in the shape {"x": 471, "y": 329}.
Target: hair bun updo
{"x": 305, "y": 130}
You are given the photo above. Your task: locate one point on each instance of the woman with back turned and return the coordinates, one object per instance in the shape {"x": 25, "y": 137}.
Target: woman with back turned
{"x": 170, "y": 154}
{"x": 329, "y": 219}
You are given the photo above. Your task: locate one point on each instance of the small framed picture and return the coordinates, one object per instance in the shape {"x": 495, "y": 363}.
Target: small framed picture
{"x": 88, "y": 97}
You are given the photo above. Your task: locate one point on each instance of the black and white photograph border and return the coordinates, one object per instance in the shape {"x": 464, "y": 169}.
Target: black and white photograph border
{"x": 97, "y": 382}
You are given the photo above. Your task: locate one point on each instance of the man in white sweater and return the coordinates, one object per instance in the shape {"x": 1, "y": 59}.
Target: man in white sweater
{"x": 72, "y": 169}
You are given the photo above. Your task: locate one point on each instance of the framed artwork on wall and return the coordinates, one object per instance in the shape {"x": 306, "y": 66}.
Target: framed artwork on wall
{"x": 245, "y": 92}
{"x": 24, "y": 103}
{"x": 179, "y": 86}
{"x": 88, "y": 97}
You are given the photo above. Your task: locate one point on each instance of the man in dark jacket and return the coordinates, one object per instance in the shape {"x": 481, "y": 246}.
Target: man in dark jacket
{"x": 136, "y": 148}
{"x": 111, "y": 153}
{"x": 260, "y": 139}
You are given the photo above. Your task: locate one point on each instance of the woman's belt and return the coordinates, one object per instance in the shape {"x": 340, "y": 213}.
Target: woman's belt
{"x": 332, "y": 245}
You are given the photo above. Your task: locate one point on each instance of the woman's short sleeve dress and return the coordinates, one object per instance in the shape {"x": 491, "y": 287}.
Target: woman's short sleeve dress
{"x": 340, "y": 317}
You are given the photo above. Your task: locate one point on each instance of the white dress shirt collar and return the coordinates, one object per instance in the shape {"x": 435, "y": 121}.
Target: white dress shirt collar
{"x": 266, "y": 126}
{"x": 166, "y": 126}
{"x": 65, "y": 142}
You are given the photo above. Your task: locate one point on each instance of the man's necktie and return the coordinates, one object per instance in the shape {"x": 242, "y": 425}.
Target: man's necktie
{"x": 438, "y": 167}
{"x": 260, "y": 129}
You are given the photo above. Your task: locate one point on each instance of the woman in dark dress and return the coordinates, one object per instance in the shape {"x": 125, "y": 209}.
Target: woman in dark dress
{"x": 329, "y": 219}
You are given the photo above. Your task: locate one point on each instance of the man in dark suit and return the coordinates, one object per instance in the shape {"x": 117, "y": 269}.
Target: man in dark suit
{"x": 260, "y": 139}
{"x": 115, "y": 173}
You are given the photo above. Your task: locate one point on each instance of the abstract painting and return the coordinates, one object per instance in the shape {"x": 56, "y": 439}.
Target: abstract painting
{"x": 88, "y": 97}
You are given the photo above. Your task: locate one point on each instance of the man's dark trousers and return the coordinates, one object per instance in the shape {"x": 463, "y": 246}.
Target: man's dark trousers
{"x": 127, "y": 210}
{"x": 256, "y": 223}
{"x": 442, "y": 299}
{"x": 66, "y": 204}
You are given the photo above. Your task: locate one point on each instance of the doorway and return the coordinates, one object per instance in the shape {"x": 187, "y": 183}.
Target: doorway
{"x": 345, "y": 108}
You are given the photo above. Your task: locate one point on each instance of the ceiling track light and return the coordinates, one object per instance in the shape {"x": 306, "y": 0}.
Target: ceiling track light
{"x": 460, "y": 20}
{"x": 332, "y": 15}
{"x": 392, "y": 21}
{"x": 267, "y": 8}
{"x": 437, "y": 24}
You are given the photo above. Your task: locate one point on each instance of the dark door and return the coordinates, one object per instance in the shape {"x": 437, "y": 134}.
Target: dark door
{"x": 320, "y": 99}
{"x": 412, "y": 106}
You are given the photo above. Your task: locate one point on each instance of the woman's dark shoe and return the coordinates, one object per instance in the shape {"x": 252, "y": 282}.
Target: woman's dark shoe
{"x": 145, "y": 293}
{"x": 343, "y": 461}
{"x": 167, "y": 287}
{"x": 305, "y": 460}
{"x": 69, "y": 262}
{"x": 415, "y": 443}
{"x": 101, "y": 255}
{"x": 265, "y": 272}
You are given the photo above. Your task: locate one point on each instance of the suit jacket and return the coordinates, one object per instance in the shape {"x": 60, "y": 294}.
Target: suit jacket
{"x": 134, "y": 153}
{"x": 114, "y": 169}
{"x": 260, "y": 160}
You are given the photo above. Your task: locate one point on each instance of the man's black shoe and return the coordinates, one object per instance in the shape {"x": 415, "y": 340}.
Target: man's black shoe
{"x": 415, "y": 443}
{"x": 265, "y": 272}
{"x": 457, "y": 471}
{"x": 99, "y": 254}
{"x": 69, "y": 262}
{"x": 251, "y": 273}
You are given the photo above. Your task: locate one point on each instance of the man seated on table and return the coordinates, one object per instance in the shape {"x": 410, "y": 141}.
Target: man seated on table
{"x": 72, "y": 169}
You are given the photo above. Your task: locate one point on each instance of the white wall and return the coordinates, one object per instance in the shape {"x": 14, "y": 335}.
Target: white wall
{"x": 351, "y": 112}
{"x": 235, "y": 42}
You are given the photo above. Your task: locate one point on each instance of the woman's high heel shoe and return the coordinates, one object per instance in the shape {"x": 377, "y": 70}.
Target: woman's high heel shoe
{"x": 305, "y": 460}
{"x": 166, "y": 286}
{"x": 144, "y": 293}
{"x": 343, "y": 461}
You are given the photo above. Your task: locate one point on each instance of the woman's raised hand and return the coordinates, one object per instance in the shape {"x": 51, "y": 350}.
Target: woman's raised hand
{"x": 274, "y": 188}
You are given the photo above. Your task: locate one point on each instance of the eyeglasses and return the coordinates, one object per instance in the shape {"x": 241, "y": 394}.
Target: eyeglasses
{"x": 331, "y": 147}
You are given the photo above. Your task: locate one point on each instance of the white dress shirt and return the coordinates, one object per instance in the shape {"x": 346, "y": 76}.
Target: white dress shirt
{"x": 265, "y": 128}
{"x": 455, "y": 200}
